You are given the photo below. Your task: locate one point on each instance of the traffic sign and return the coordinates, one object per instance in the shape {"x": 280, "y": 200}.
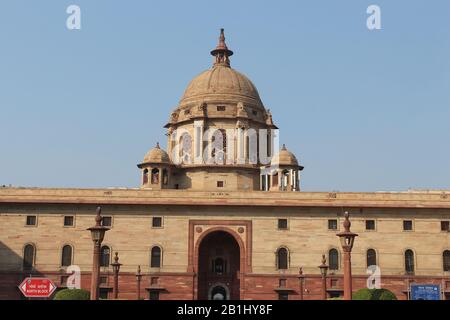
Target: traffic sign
{"x": 37, "y": 287}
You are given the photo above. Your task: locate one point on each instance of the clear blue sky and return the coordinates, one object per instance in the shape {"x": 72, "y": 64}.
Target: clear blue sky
{"x": 363, "y": 110}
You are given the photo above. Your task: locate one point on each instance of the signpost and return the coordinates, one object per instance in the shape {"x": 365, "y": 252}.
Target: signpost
{"x": 37, "y": 287}
{"x": 425, "y": 292}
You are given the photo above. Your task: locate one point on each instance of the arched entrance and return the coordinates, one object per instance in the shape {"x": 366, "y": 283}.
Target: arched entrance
{"x": 218, "y": 267}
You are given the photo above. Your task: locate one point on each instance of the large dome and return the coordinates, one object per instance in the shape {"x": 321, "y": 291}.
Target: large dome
{"x": 218, "y": 81}
{"x": 221, "y": 83}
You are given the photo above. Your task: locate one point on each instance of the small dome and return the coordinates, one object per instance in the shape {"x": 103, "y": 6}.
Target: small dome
{"x": 157, "y": 155}
{"x": 284, "y": 158}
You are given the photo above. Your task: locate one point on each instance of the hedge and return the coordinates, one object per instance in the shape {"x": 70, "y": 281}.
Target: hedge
{"x": 383, "y": 294}
{"x": 362, "y": 294}
{"x": 373, "y": 294}
{"x": 72, "y": 294}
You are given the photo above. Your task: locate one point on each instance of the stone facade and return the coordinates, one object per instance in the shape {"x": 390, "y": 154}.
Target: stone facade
{"x": 251, "y": 216}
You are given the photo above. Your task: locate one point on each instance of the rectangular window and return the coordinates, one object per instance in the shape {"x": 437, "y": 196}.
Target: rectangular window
{"x": 370, "y": 224}
{"x": 154, "y": 295}
{"x": 156, "y": 222}
{"x": 220, "y": 108}
{"x": 219, "y": 184}
{"x": 332, "y": 224}
{"x": 445, "y": 226}
{"x": 334, "y": 283}
{"x": 31, "y": 221}
{"x": 407, "y": 225}
{"x": 68, "y": 221}
{"x": 283, "y": 296}
{"x": 335, "y": 295}
{"x": 107, "y": 221}
{"x": 103, "y": 293}
{"x": 282, "y": 224}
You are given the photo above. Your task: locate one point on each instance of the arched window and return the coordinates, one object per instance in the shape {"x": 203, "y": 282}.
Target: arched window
{"x": 145, "y": 176}
{"x": 219, "y": 266}
{"x": 105, "y": 254}
{"x": 282, "y": 258}
{"x": 446, "y": 257}
{"x": 155, "y": 176}
{"x": 185, "y": 148}
{"x": 219, "y": 146}
{"x": 66, "y": 256}
{"x": 29, "y": 253}
{"x": 371, "y": 258}
{"x": 333, "y": 259}
{"x": 155, "y": 257}
{"x": 409, "y": 261}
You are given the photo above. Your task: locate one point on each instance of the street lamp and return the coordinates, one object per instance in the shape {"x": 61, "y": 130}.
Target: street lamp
{"x": 301, "y": 278}
{"x": 138, "y": 281}
{"x": 97, "y": 234}
{"x": 116, "y": 268}
{"x": 323, "y": 271}
{"x": 347, "y": 239}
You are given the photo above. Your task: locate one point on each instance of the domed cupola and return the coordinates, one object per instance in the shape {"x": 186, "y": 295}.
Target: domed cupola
{"x": 220, "y": 137}
{"x": 156, "y": 169}
{"x": 283, "y": 174}
{"x": 157, "y": 156}
{"x": 284, "y": 158}
{"x": 220, "y": 88}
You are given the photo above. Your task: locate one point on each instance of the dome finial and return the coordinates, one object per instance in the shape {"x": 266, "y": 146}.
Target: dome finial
{"x": 221, "y": 52}
{"x": 284, "y": 147}
{"x": 157, "y": 145}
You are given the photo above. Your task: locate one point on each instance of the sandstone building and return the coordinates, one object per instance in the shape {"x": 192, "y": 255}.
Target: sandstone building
{"x": 221, "y": 214}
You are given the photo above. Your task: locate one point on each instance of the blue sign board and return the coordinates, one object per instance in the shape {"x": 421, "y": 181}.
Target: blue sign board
{"x": 425, "y": 292}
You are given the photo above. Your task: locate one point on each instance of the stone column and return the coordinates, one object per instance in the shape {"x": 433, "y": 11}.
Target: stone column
{"x": 198, "y": 141}
{"x": 240, "y": 146}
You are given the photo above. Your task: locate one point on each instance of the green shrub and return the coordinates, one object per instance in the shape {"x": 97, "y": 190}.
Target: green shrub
{"x": 373, "y": 294}
{"x": 383, "y": 294}
{"x": 72, "y": 294}
{"x": 362, "y": 294}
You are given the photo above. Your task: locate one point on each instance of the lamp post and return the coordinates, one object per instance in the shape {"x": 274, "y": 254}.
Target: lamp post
{"x": 116, "y": 268}
{"x": 347, "y": 239}
{"x": 323, "y": 271}
{"x": 97, "y": 234}
{"x": 138, "y": 282}
{"x": 301, "y": 278}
